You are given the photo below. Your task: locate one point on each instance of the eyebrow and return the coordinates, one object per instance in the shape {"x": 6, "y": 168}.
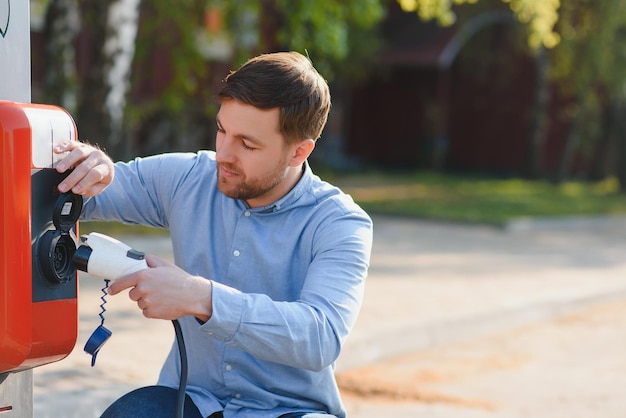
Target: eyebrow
{"x": 241, "y": 136}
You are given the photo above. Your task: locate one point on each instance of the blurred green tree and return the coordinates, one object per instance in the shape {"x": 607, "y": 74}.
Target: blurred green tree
{"x": 88, "y": 49}
{"x": 588, "y": 67}
{"x": 197, "y": 35}
{"x": 539, "y": 17}
{"x": 576, "y": 46}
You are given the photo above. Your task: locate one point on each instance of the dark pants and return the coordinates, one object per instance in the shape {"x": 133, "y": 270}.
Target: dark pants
{"x": 160, "y": 402}
{"x": 151, "y": 402}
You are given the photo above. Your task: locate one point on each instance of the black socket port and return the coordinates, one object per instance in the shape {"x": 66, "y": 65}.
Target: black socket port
{"x": 56, "y": 251}
{"x": 57, "y": 247}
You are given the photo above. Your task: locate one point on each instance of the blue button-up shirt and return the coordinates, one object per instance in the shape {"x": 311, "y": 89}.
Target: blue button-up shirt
{"x": 288, "y": 281}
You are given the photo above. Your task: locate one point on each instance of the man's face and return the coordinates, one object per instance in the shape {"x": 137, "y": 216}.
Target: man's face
{"x": 252, "y": 157}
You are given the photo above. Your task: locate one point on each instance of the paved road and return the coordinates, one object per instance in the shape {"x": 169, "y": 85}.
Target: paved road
{"x": 435, "y": 291}
{"x": 570, "y": 367}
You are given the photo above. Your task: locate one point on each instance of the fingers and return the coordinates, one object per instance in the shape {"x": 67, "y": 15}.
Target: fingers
{"x": 135, "y": 295}
{"x": 154, "y": 261}
{"x": 70, "y": 159}
{"x": 142, "y": 299}
{"x": 92, "y": 171}
{"x": 164, "y": 290}
{"x": 123, "y": 283}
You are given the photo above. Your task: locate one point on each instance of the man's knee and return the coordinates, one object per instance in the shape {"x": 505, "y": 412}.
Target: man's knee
{"x": 150, "y": 401}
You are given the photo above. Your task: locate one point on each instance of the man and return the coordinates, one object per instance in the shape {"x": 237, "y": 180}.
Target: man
{"x": 270, "y": 261}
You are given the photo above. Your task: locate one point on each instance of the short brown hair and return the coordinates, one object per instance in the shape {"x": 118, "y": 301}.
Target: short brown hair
{"x": 284, "y": 80}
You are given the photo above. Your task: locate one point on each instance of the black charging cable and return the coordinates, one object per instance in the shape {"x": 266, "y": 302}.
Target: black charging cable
{"x": 182, "y": 387}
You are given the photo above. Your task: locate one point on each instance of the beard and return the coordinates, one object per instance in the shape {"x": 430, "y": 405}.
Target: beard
{"x": 243, "y": 188}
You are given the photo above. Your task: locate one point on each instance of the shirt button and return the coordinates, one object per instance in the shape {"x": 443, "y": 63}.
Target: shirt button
{"x": 247, "y": 213}
{"x": 237, "y": 395}
{"x": 236, "y": 253}
{"x": 229, "y": 367}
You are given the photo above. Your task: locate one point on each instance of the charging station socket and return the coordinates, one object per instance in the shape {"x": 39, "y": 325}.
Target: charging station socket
{"x": 56, "y": 248}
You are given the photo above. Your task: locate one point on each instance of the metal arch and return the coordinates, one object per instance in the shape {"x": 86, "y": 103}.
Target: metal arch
{"x": 468, "y": 30}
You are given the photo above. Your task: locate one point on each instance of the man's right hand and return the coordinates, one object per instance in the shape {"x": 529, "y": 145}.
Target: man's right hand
{"x": 92, "y": 172}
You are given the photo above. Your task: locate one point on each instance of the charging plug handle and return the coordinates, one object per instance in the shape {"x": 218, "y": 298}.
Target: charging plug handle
{"x": 81, "y": 257}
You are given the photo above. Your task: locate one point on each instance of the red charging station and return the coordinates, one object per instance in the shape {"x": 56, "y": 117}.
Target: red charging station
{"x": 38, "y": 283}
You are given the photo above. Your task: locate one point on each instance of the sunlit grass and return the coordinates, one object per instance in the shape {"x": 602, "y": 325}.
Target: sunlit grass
{"x": 481, "y": 200}
{"x": 454, "y": 198}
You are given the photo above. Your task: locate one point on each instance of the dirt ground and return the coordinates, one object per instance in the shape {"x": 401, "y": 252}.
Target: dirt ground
{"x": 465, "y": 302}
{"x": 571, "y": 367}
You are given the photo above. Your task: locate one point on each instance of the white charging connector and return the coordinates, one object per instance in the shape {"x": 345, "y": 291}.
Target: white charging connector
{"x": 107, "y": 258}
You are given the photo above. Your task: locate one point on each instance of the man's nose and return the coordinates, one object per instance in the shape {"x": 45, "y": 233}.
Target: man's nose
{"x": 224, "y": 150}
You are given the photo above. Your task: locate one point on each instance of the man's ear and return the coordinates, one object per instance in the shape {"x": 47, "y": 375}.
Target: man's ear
{"x": 301, "y": 152}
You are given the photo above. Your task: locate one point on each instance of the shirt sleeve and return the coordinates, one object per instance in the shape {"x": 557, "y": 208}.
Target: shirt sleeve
{"x": 307, "y": 333}
{"x": 141, "y": 191}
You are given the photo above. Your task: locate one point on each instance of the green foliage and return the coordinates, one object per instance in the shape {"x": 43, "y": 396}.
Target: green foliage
{"x": 591, "y": 52}
{"x": 322, "y": 26}
{"x": 322, "y": 29}
{"x": 171, "y": 26}
{"x": 328, "y": 31}
{"x": 588, "y": 64}
{"x": 540, "y": 16}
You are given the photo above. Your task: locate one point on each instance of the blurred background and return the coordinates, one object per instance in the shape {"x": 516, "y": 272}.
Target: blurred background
{"x": 480, "y": 112}
{"x": 473, "y": 110}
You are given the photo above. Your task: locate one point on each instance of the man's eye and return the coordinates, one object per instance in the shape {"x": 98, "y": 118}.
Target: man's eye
{"x": 245, "y": 146}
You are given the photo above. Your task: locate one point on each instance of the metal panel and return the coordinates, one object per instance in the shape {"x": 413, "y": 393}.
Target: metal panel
{"x": 16, "y": 394}
{"x": 15, "y": 50}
